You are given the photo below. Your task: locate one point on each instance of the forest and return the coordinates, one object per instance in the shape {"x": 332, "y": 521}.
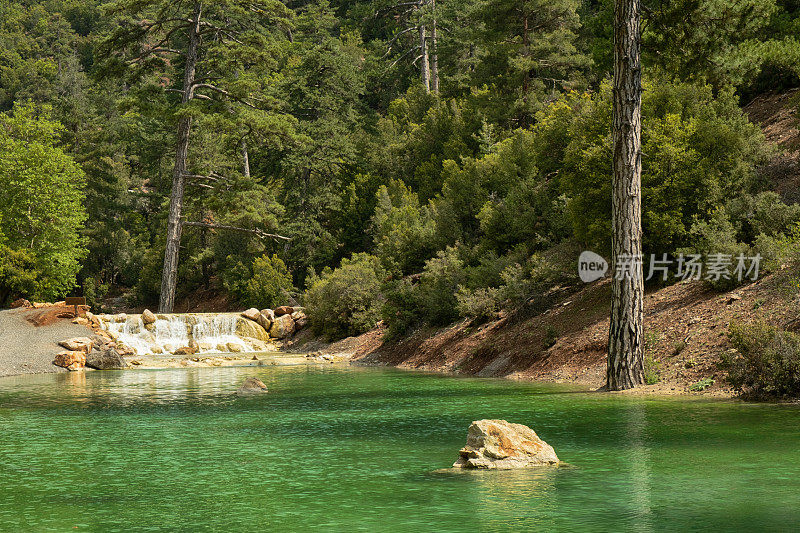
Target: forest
{"x": 406, "y": 161}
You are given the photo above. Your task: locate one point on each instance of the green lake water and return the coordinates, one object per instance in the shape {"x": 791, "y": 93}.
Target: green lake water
{"x": 352, "y": 449}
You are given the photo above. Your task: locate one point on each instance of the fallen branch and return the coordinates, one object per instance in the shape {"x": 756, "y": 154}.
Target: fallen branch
{"x": 255, "y": 231}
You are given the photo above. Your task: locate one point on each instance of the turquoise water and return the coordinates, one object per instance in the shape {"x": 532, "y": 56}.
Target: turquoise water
{"x": 349, "y": 449}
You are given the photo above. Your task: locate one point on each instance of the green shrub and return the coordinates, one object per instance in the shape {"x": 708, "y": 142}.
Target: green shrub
{"x": 270, "y": 284}
{"x": 701, "y": 385}
{"x": 550, "y": 336}
{"x": 767, "y": 364}
{"x": 401, "y": 311}
{"x": 348, "y": 300}
{"x": 18, "y": 274}
{"x": 480, "y": 304}
{"x": 438, "y": 285}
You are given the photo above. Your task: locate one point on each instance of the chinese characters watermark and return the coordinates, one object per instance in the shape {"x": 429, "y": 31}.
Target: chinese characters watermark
{"x": 688, "y": 267}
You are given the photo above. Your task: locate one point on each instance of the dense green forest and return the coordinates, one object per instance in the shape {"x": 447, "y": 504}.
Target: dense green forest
{"x": 439, "y": 155}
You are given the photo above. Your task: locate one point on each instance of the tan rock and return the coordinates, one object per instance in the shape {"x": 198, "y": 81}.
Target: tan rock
{"x": 282, "y": 327}
{"x": 81, "y": 321}
{"x": 252, "y": 314}
{"x": 248, "y": 328}
{"x": 71, "y": 360}
{"x": 235, "y": 347}
{"x": 497, "y": 444}
{"x": 221, "y": 347}
{"x": 283, "y": 310}
{"x": 269, "y": 313}
{"x": 264, "y": 321}
{"x": 148, "y": 317}
{"x": 252, "y": 386}
{"x": 205, "y": 346}
{"x": 77, "y": 344}
{"x": 156, "y": 349}
{"x": 184, "y": 350}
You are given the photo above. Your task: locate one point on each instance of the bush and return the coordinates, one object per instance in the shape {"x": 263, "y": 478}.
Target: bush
{"x": 18, "y": 274}
{"x": 438, "y": 285}
{"x": 768, "y": 361}
{"x": 401, "y": 311}
{"x": 271, "y": 283}
{"x": 480, "y": 304}
{"x": 346, "y": 301}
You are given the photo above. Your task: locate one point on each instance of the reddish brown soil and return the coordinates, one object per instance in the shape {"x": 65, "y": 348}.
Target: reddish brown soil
{"x": 685, "y": 330}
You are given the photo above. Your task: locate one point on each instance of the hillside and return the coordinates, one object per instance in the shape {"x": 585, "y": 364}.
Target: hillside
{"x": 564, "y": 340}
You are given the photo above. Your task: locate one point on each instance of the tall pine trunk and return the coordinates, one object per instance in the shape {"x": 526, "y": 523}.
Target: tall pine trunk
{"x": 169, "y": 276}
{"x": 424, "y": 67}
{"x": 434, "y": 52}
{"x": 625, "y": 336}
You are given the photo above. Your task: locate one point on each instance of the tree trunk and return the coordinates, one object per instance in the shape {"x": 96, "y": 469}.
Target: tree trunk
{"x": 169, "y": 276}
{"x": 424, "y": 67}
{"x": 245, "y": 160}
{"x": 625, "y": 346}
{"x": 434, "y": 53}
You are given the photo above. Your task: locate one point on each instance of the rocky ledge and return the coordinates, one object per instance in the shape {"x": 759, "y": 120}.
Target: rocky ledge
{"x": 497, "y": 444}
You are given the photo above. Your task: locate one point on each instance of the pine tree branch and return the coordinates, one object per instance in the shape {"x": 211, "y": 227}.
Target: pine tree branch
{"x": 260, "y": 233}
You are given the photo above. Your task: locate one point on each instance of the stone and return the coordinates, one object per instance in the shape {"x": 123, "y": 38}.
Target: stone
{"x": 222, "y": 347}
{"x": 264, "y": 321}
{"x": 300, "y": 323}
{"x": 81, "y": 321}
{"x": 282, "y": 327}
{"x": 252, "y": 386}
{"x": 252, "y": 314}
{"x": 269, "y": 313}
{"x": 258, "y": 345}
{"x": 71, "y": 360}
{"x": 108, "y": 359}
{"x": 78, "y": 344}
{"x": 297, "y": 315}
{"x": 148, "y": 317}
{"x": 157, "y": 350}
{"x": 283, "y": 310}
{"x": 235, "y": 347}
{"x": 184, "y": 350}
{"x": 248, "y": 328}
{"x": 205, "y": 346}
{"x": 21, "y": 302}
{"x": 122, "y": 317}
{"x": 502, "y": 445}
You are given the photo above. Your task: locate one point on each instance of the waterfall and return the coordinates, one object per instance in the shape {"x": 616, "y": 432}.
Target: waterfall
{"x": 213, "y": 333}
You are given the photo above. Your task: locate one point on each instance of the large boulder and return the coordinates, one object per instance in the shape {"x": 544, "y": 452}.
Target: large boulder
{"x": 503, "y": 445}
{"x": 264, "y": 321}
{"x": 108, "y": 359}
{"x": 252, "y": 386}
{"x": 284, "y": 310}
{"x": 282, "y": 327}
{"x": 248, "y": 328}
{"x": 269, "y": 313}
{"x": 252, "y": 314}
{"x": 71, "y": 360}
{"x": 148, "y": 317}
{"x": 77, "y": 344}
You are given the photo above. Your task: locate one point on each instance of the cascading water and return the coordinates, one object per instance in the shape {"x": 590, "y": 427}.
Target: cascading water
{"x": 213, "y": 333}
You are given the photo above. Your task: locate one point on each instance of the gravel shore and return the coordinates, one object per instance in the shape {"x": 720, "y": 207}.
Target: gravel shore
{"x": 28, "y": 349}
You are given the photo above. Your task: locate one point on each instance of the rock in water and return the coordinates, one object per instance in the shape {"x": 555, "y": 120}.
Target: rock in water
{"x": 71, "y": 360}
{"x": 148, "y": 317}
{"x": 108, "y": 359}
{"x": 252, "y": 386}
{"x": 282, "y": 327}
{"x": 503, "y": 445}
